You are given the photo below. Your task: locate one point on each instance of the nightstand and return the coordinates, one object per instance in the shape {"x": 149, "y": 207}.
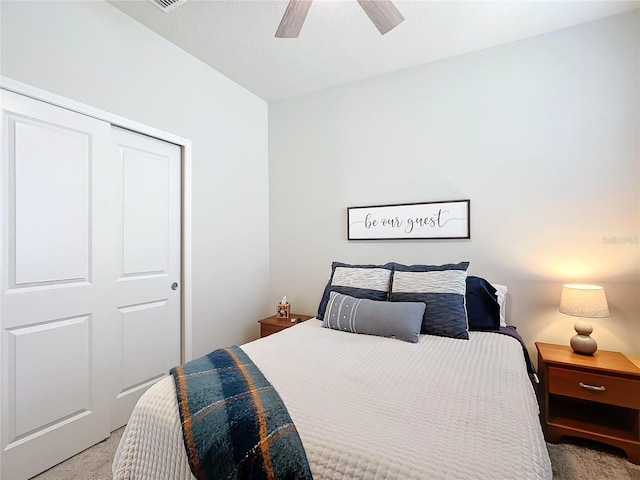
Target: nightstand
{"x": 272, "y": 324}
{"x": 591, "y": 396}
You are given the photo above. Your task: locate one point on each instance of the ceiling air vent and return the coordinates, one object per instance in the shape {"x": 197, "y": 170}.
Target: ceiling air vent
{"x": 167, "y": 5}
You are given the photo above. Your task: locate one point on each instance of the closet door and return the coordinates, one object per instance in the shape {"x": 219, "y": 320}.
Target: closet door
{"x": 146, "y": 318}
{"x": 56, "y": 283}
{"x": 90, "y": 294}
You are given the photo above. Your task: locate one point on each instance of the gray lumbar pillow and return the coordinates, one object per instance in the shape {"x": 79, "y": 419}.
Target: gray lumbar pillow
{"x": 401, "y": 320}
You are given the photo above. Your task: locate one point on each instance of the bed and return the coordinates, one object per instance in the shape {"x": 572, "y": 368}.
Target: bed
{"x": 374, "y": 407}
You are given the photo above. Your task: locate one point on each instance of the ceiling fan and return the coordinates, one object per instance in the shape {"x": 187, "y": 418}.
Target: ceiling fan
{"x": 383, "y": 13}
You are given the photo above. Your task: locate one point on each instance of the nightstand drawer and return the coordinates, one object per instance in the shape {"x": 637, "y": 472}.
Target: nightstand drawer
{"x": 624, "y": 392}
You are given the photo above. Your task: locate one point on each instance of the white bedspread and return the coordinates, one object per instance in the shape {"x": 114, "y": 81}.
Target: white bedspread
{"x": 375, "y": 408}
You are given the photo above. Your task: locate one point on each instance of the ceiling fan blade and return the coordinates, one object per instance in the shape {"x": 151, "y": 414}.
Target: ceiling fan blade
{"x": 383, "y": 13}
{"x": 293, "y": 18}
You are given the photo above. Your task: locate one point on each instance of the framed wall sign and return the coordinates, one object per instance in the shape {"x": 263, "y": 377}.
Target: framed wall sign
{"x": 429, "y": 220}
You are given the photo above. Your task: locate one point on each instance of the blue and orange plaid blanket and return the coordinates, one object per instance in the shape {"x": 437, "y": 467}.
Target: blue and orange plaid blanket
{"x": 234, "y": 423}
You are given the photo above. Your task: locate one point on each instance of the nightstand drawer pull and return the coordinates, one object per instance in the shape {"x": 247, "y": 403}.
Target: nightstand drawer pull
{"x": 597, "y": 388}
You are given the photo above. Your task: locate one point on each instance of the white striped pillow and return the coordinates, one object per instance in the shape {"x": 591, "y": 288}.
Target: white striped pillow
{"x": 360, "y": 281}
{"x": 442, "y": 288}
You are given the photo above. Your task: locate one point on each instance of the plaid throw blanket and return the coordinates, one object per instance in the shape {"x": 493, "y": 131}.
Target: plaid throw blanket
{"x": 234, "y": 423}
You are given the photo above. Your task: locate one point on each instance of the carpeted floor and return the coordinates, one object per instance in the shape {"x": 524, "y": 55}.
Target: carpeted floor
{"x": 571, "y": 460}
{"x": 576, "y": 459}
{"x": 92, "y": 464}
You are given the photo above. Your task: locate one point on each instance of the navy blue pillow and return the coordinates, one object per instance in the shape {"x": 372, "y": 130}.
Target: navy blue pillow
{"x": 483, "y": 309}
{"x": 442, "y": 288}
{"x": 359, "y": 281}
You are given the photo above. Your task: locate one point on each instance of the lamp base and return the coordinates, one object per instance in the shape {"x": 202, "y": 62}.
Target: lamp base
{"x": 582, "y": 343}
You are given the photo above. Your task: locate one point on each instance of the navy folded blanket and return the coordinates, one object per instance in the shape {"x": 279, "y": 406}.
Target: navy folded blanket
{"x": 234, "y": 423}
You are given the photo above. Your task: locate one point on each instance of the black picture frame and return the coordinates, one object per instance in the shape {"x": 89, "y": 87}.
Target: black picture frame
{"x": 442, "y": 220}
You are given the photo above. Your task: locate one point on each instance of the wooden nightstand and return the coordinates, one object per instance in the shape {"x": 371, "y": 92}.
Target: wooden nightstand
{"x": 272, "y": 324}
{"x": 591, "y": 396}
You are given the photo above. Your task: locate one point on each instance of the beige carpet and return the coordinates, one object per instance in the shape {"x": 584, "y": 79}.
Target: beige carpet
{"x": 576, "y": 459}
{"x": 92, "y": 464}
{"x": 571, "y": 460}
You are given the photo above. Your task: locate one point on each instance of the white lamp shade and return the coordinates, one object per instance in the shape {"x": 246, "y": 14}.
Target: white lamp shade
{"x": 584, "y": 301}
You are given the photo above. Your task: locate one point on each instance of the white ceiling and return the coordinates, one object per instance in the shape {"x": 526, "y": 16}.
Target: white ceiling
{"x": 339, "y": 44}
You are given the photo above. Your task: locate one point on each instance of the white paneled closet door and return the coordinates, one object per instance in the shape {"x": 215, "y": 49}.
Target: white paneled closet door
{"x": 90, "y": 303}
{"x": 56, "y": 272}
{"x": 147, "y": 318}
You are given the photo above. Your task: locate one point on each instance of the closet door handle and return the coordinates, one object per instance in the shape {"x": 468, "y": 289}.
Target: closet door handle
{"x": 174, "y": 286}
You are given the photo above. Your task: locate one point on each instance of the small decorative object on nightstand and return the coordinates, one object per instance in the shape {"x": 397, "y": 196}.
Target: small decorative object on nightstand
{"x": 274, "y": 324}
{"x": 584, "y": 301}
{"x": 595, "y": 397}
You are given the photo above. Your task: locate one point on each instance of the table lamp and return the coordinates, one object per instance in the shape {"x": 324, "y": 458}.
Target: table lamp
{"x": 585, "y": 301}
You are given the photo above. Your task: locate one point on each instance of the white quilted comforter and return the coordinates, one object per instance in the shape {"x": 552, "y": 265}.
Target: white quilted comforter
{"x": 375, "y": 408}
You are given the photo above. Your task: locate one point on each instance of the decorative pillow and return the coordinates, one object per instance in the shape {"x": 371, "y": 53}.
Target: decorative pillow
{"x": 359, "y": 281}
{"x": 401, "y": 320}
{"x": 442, "y": 288}
{"x": 483, "y": 309}
{"x": 501, "y": 293}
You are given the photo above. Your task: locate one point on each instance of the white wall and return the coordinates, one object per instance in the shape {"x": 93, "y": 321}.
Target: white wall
{"x": 542, "y": 135}
{"x": 93, "y": 53}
